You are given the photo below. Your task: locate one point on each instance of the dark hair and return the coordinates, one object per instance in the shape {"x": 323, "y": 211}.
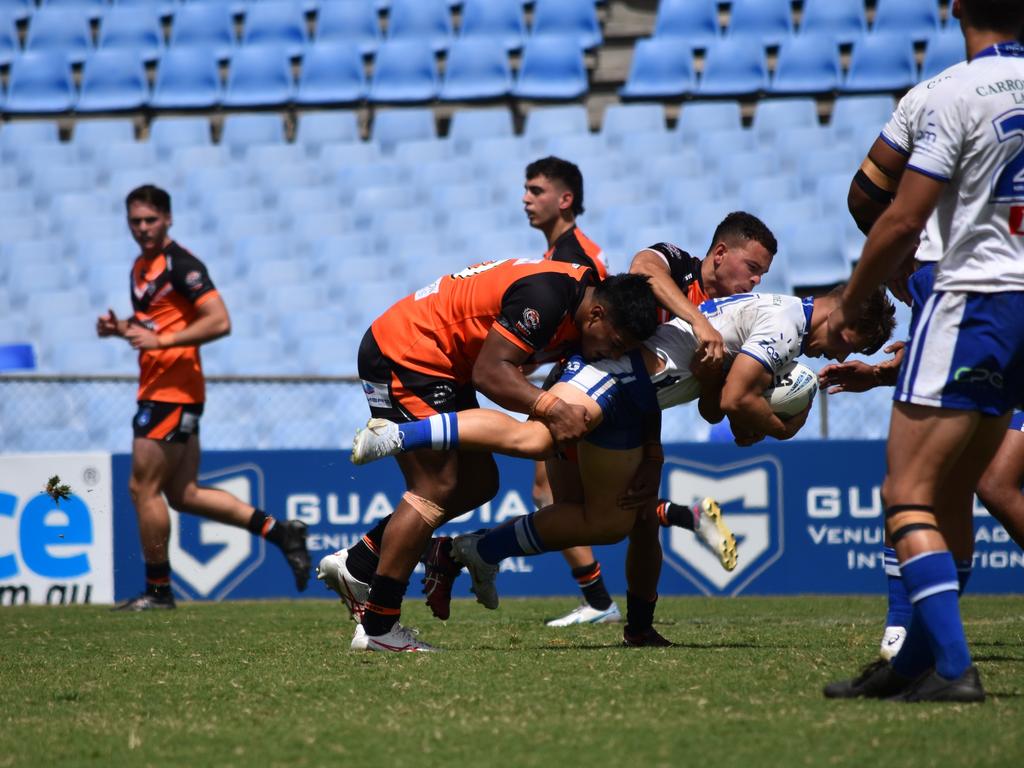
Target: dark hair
{"x": 740, "y": 225}
{"x": 630, "y": 302}
{"x": 993, "y": 15}
{"x": 150, "y": 195}
{"x": 877, "y": 320}
{"x": 560, "y": 170}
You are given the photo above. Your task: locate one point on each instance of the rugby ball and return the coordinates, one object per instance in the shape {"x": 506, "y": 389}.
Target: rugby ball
{"x": 795, "y": 387}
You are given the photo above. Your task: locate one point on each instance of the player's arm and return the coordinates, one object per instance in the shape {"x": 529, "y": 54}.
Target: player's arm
{"x": 711, "y": 378}
{"x": 211, "y": 322}
{"x": 110, "y": 325}
{"x": 858, "y": 376}
{"x": 671, "y": 297}
{"x": 873, "y": 186}
{"x": 744, "y": 403}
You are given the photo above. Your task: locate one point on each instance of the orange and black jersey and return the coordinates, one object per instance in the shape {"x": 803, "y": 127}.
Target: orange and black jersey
{"x": 573, "y": 247}
{"x": 166, "y": 290}
{"x": 685, "y": 271}
{"x": 440, "y": 329}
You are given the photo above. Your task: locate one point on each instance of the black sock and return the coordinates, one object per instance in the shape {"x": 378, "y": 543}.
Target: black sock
{"x": 364, "y": 555}
{"x": 639, "y": 614}
{"x": 262, "y": 524}
{"x": 592, "y": 585}
{"x": 672, "y": 514}
{"x": 158, "y": 579}
{"x": 384, "y": 605}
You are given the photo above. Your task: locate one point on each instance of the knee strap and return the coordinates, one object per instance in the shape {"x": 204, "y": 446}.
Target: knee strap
{"x": 905, "y": 518}
{"x": 432, "y": 514}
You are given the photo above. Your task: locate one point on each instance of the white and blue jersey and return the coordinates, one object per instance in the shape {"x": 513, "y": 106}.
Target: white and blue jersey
{"x": 770, "y": 328}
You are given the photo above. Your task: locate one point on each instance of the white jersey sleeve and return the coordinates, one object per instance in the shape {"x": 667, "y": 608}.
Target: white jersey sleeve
{"x": 777, "y": 332}
{"x": 899, "y": 132}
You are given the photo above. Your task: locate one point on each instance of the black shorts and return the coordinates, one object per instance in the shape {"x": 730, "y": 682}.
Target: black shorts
{"x": 400, "y": 394}
{"x": 167, "y": 422}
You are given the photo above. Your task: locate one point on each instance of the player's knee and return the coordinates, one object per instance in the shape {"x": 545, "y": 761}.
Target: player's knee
{"x": 141, "y": 489}
{"x": 182, "y": 497}
{"x": 901, "y": 520}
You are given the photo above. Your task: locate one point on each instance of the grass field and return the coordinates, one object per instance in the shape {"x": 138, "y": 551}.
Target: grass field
{"x": 260, "y": 684}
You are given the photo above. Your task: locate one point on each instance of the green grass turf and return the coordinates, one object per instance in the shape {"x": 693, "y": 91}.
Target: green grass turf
{"x": 259, "y": 684}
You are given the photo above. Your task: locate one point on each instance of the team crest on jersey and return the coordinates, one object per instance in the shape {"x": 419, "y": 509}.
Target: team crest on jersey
{"x": 144, "y": 416}
{"x": 531, "y": 318}
{"x": 750, "y": 495}
{"x": 193, "y": 278}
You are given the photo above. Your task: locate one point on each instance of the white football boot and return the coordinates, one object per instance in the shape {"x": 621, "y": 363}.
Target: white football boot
{"x": 399, "y": 640}
{"x": 586, "y": 614}
{"x": 712, "y": 530}
{"x": 333, "y": 572}
{"x": 483, "y": 573}
{"x": 358, "y": 639}
{"x": 892, "y": 641}
{"x": 379, "y": 438}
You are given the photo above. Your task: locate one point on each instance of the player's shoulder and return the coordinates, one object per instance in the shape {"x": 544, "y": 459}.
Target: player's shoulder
{"x": 915, "y": 100}
{"x": 179, "y": 255}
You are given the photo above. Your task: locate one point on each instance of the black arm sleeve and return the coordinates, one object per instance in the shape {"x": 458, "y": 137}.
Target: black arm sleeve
{"x": 683, "y": 267}
{"x": 188, "y": 275}
{"x": 534, "y": 307}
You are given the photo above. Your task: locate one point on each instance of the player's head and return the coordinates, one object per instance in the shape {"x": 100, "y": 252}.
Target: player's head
{"x": 866, "y": 336}
{"x": 553, "y": 191}
{"x": 149, "y": 217}
{"x": 620, "y": 312}
{"x": 1006, "y": 16}
{"x": 741, "y": 252}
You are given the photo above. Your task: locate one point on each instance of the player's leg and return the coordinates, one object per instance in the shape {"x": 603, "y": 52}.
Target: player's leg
{"x": 1000, "y": 485}
{"x": 643, "y": 569}
{"x": 186, "y": 495}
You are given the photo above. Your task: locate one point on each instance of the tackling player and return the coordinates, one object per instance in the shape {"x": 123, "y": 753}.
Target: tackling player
{"x": 962, "y": 372}
{"x": 177, "y": 309}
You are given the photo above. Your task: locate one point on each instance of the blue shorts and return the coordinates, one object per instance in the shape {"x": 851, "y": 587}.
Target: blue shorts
{"x": 1017, "y": 422}
{"x": 623, "y": 390}
{"x": 966, "y": 352}
{"x": 920, "y": 286}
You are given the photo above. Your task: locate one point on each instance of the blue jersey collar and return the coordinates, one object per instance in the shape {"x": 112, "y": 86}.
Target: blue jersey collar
{"x": 1009, "y": 48}
{"x": 808, "y": 311}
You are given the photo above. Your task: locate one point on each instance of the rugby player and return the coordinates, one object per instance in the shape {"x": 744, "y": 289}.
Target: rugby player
{"x": 429, "y": 354}
{"x": 962, "y": 372}
{"x": 762, "y": 333}
{"x": 176, "y": 310}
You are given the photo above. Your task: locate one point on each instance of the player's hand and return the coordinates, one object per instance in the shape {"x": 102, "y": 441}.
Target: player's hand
{"x": 710, "y": 346}
{"x": 141, "y": 337}
{"x": 108, "y": 324}
{"x": 852, "y": 376}
{"x": 794, "y": 423}
{"x": 642, "y": 493}
{"x": 748, "y": 438}
{"x": 567, "y": 422}
{"x": 707, "y": 372}
{"x": 888, "y": 369}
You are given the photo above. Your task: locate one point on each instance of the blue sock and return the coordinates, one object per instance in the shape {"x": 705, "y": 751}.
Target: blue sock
{"x": 514, "y": 539}
{"x": 931, "y": 581}
{"x": 963, "y": 573}
{"x": 900, "y": 610}
{"x": 439, "y": 432}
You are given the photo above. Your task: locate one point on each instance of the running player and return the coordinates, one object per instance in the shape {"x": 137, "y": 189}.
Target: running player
{"x": 428, "y": 354}
{"x": 177, "y": 309}
{"x": 962, "y": 373}
{"x": 623, "y": 398}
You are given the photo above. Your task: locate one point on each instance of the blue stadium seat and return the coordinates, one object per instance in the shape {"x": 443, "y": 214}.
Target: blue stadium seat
{"x": 274, "y": 165}
{"x": 12, "y": 202}
{"x": 120, "y": 155}
{"x": 851, "y": 113}
{"x": 814, "y": 254}
{"x": 40, "y": 81}
{"x": 24, "y": 133}
{"x": 495, "y": 20}
{"x": 113, "y": 79}
{"x": 188, "y": 77}
{"x": 841, "y": 20}
{"x": 622, "y": 119}
{"x": 242, "y": 131}
{"x": 944, "y": 49}
{"x": 476, "y": 69}
{"x": 814, "y": 163}
{"x": 92, "y": 8}
{"x": 700, "y": 118}
{"x": 269, "y": 273}
{"x": 310, "y": 226}
{"x": 576, "y": 18}
{"x": 60, "y": 29}
{"x": 800, "y": 140}
{"x": 693, "y": 21}
{"x": 164, "y": 7}
{"x": 349, "y": 21}
{"x": 397, "y": 125}
{"x": 136, "y": 27}
{"x": 260, "y": 76}
{"x": 807, "y": 64}
{"x": 76, "y": 205}
{"x": 739, "y": 168}
{"x": 917, "y": 18}
{"x": 168, "y": 133}
{"x": 423, "y": 20}
{"x": 779, "y": 185}
{"x": 332, "y": 73}
{"x": 552, "y": 68}
{"x": 276, "y": 22}
{"x": 249, "y": 251}
{"x": 9, "y": 45}
{"x": 776, "y": 280}
{"x": 415, "y": 151}
{"x": 404, "y": 71}
{"x": 208, "y": 25}
{"x": 30, "y": 158}
{"x": 19, "y": 9}
{"x": 318, "y": 128}
{"x": 766, "y": 21}
{"x": 352, "y": 154}
{"x": 543, "y": 123}
{"x": 881, "y": 62}
{"x": 661, "y": 67}
{"x": 774, "y": 118}
{"x": 469, "y": 125}
{"x": 446, "y": 197}
{"x": 733, "y": 66}
{"x": 297, "y": 201}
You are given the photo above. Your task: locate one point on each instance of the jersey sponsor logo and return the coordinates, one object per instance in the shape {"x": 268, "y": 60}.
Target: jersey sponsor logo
{"x": 531, "y": 318}
{"x": 189, "y": 422}
{"x": 211, "y": 559}
{"x": 750, "y": 495}
{"x": 978, "y": 376}
{"x": 377, "y": 395}
{"x": 144, "y": 416}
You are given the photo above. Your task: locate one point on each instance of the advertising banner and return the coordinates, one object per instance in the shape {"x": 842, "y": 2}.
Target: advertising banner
{"x": 55, "y": 552}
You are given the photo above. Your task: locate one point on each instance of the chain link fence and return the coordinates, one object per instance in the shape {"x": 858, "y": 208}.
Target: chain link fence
{"x": 79, "y": 413}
